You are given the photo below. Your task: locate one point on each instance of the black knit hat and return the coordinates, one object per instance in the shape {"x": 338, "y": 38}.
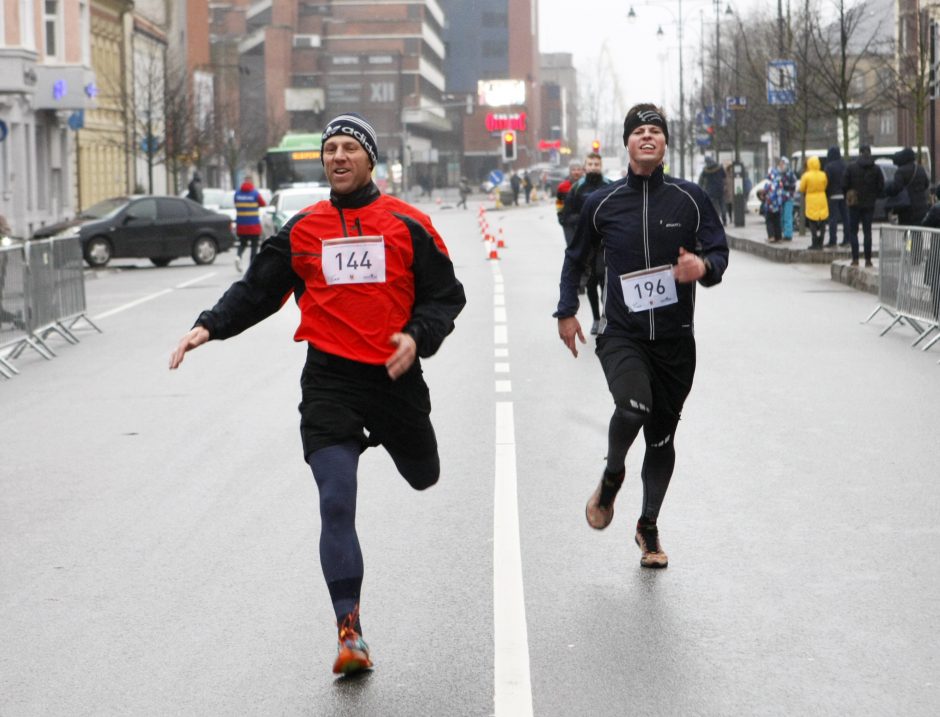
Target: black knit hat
{"x": 354, "y": 126}
{"x": 642, "y": 114}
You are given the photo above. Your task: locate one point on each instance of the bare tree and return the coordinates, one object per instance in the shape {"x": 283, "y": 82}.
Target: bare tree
{"x": 600, "y": 100}
{"x": 847, "y": 55}
{"x": 912, "y": 72}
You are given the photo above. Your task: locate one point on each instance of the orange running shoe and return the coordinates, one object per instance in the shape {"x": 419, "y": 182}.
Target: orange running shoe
{"x": 352, "y": 652}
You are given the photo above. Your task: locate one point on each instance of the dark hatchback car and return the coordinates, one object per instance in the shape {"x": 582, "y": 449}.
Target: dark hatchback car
{"x": 157, "y": 228}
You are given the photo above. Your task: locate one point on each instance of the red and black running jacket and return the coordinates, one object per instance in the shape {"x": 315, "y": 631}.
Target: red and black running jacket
{"x": 420, "y": 296}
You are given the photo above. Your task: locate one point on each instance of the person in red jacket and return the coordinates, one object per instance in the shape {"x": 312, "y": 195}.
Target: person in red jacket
{"x": 376, "y": 290}
{"x": 247, "y": 220}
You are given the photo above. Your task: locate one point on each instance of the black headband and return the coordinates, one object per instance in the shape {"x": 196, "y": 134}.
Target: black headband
{"x": 641, "y": 118}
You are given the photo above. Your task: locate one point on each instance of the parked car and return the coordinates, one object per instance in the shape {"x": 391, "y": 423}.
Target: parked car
{"x": 157, "y": 228}
{"x": 286, "y": 203}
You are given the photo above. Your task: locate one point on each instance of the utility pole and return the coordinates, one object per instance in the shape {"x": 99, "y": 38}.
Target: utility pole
{"x": 783, "y": 125}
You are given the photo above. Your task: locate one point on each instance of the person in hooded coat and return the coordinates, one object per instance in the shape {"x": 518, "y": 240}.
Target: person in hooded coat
{"x": 815, "y": 206}
{"x": 862, "y": 185}
{"x": 835, "y": 171}
{"x": 913, "y": 177}
{"x": 712, "y": 180}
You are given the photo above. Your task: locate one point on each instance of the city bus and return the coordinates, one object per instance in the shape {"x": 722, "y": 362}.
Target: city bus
{"x": 295, "y": 161}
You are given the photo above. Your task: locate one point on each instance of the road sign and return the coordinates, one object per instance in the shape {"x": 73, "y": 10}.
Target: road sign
{"x": 736, "y": 103}
{"x": 495, "y": 177}
{"x": 781, "y": 82}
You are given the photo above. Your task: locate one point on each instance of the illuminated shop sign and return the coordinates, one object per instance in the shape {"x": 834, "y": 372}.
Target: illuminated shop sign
{"x": 499, "y": 121}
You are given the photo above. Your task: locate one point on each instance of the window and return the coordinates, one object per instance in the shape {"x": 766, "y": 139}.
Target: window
{"x": 173, "y": 209}
{"x": 886, "y": 123}
{"x": 144, "y": 209}
{"x": 50, "y": 26}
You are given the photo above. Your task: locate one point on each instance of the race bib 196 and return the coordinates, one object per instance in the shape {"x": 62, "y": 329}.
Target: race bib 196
{"x": 649, "y": 288}
{"x": 354, "y": 260}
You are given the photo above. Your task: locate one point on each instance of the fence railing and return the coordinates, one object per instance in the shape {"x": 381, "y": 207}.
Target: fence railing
{"x": 42, "y": 292}
{"x": 909, "y": 280}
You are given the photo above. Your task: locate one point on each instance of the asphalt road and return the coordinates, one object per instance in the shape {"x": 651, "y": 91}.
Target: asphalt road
{"x": 158, "y": 530}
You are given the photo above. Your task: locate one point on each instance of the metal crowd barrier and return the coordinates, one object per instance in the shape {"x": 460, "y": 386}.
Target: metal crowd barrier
{"x": 909, "y": 280}
{"x": 12, "y": 302}
{"x": 46, "y": 295}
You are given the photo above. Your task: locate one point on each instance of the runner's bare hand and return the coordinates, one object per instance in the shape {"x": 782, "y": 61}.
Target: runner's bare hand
{"x": 404, "y": 356}
{"x": 196, "y": 337}
{"x": 568, "y": 329}
{"x": 689, "y": 268}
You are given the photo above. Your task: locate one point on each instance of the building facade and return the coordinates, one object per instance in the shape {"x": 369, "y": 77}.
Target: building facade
{"x": 46, "y": 84}
{"x": 496, "y": 42}
{"x": 559, "y": 81}
{"x": 105, "y": 159}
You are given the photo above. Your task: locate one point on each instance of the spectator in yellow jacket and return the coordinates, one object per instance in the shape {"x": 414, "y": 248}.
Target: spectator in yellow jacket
{"x": 815, "y": 205}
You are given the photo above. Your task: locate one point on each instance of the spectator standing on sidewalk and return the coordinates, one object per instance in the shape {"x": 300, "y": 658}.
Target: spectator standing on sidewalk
{"x": 727, "y": 207}
{"x": 788, "y": 182}
{"x": 912, "y": 177}
{"x": 815, "y": 205}
{"x": 712, "y": 180}
{"x": 376, "y": 291}
{"x": 666, "y": 228}
{"x": 862, "y": 185}
{"x": 774, "y": 198}
{"x": 835, "y": 173}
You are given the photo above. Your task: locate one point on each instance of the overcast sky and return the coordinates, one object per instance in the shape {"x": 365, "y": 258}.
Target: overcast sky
{"x": 648, "y": 68}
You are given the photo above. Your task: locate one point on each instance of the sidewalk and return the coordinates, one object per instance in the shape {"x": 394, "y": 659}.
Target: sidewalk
{"x": 752, "y": 238}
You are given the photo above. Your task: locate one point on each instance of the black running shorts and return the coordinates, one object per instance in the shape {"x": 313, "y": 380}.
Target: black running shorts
{"x": 342, "y": 399}
{"x": 652, "y": 377}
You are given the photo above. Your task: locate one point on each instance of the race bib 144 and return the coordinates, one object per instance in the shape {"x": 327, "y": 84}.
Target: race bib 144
{"x": 354, "y": 260}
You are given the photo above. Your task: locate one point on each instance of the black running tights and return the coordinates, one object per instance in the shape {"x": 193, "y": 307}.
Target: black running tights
{"x": 658, "y": 462}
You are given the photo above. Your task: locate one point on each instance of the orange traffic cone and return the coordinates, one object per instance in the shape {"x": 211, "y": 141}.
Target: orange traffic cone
{"x": 501, "y": 244}
{"x": 494, "y": 254}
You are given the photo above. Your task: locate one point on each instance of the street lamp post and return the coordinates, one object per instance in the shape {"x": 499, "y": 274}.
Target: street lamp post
{"x": 718, "y": 109}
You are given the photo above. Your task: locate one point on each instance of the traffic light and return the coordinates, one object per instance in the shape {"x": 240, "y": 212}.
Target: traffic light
{"x": 596, "y": 146}
{"x": 509, "y": 146}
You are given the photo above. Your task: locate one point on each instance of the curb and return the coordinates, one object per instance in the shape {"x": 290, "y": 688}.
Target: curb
{"x": 838, "y": 259}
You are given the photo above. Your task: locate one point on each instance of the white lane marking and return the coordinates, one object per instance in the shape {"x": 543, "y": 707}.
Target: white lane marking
{"x": 131, "y": 304}
{"x": 500, "y": 335}
{"x": 150, "y": 297}
{"x": 501, "y": 367}
{"x": 501, "y": 353}
{"x": 504, "y": 387}
{"x": 196, "y": 280}
{"x": 499, "y": 300}
{"x": 499, "y": 314}
{"x": 513, "y": 694}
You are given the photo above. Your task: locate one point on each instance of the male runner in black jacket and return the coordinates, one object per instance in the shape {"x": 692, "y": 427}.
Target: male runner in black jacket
{"x": 659, "y": 235}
